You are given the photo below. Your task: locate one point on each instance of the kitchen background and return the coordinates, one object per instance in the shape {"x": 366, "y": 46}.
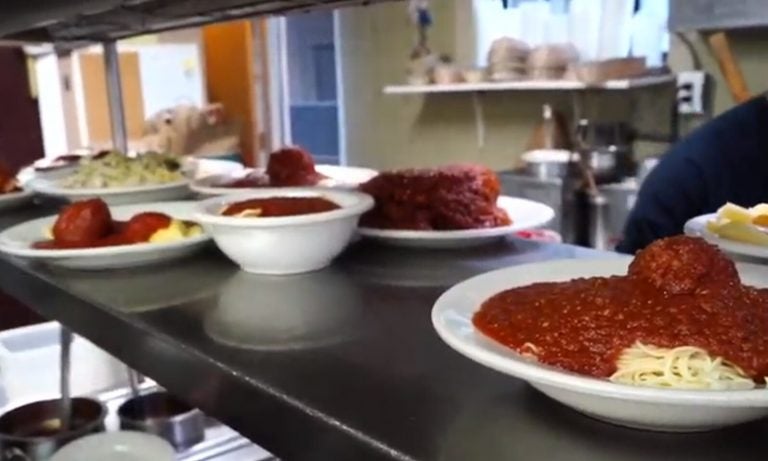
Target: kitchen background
{"x": 321, "y": 80}
{"x": 318, "y": 80}
{"x": 350, "y": 56}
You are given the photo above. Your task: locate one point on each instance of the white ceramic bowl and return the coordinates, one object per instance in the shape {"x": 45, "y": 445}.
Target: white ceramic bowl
{"x": 640, "y": 407}
{"x": 284, "y": 245}
{"x": 117, "y": 446}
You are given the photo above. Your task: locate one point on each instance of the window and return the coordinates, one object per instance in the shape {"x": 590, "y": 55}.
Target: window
{"x": 599, "y": 29}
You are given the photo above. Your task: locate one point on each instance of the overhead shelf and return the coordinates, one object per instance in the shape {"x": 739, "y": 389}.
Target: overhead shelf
{"x": 477, "y": 89}
{"x": 532, "y": 85}
{"x": 67, "y": 21}
{"x": 687, "y": 15}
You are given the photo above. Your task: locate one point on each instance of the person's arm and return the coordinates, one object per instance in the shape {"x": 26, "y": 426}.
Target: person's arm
{"x": 724, "y": 160}
{"x": 672, "y": 193}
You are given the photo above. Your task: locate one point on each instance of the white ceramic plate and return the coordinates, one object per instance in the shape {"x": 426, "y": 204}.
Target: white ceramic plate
{"x": 115, "y": 195}
{"x": 525, "y": 214}
{"x": 697, "y": 227}
{"x": 337, "y": 176}
{"x": 641, "y": 407}
{"x": 198, "y": 168}
{"x": 117, "y": 446}
{"x": 15, "y": 199}
{"x": 17, "y": 241}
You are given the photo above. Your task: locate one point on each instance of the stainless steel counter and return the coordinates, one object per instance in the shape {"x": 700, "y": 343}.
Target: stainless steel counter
{"x": 342, "y": 364}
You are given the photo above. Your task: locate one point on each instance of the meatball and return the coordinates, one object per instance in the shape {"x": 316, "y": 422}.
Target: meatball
{"x": 684, "y": 265}
{"x": 142, "y": 226}
{"x": 292, "y": 167}
{"x": 83, "y": 223}
{"x": 446, "y": 198}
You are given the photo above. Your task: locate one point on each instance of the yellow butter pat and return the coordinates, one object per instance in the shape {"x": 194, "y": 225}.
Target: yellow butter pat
{"x": 735, "y": 213}
{"x": 739, "y": 232}
{"x": 178, "y": 230}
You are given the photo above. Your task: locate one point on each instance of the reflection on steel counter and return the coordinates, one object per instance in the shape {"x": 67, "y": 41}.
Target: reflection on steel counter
{"x": 303, "y": 311}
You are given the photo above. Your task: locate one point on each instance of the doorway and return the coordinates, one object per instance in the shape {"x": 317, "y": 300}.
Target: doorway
{"x": 304, "y": 65}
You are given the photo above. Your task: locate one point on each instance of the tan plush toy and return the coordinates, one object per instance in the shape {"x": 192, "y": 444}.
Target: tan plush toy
{"x": 189, "y": 130}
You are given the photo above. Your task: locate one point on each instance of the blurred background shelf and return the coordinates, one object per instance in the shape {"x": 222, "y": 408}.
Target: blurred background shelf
{"x": 539, "y": 85}
{"x": 711, "y": 15}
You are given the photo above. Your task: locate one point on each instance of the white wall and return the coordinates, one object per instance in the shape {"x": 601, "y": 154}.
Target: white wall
{"x": 170, "y": 75}
{"x": 51, "y": 105}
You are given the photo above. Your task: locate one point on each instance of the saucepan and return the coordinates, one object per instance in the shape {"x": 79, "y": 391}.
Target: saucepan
{"x": 547, "y": 163}
{"x": 161, "y": 414}
{"x": 33, "y": 432}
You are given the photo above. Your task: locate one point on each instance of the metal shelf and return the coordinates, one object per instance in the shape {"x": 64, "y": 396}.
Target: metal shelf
{"x": 476, "y": 90}
{"x": 686, "y": 15}
{"x": 532, "y": 85}
{"x": 68, "y": 21}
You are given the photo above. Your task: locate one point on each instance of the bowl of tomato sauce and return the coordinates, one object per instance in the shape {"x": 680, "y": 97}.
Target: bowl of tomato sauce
{"x": 283, "y": 231}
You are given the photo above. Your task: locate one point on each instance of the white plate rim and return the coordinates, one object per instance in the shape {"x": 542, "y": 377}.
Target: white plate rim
{"x": 50, "y": 187}
{"x": 32, "y": 253}
{"x": 506, "y": 202}
{"x": 506, "y": 361}
{"x": 205, "y": 185}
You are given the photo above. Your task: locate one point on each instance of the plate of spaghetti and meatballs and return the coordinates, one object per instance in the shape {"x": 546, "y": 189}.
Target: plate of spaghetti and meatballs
{"x": 446, "y": 207}
{"x": 287, "y": 167}
{"x": 673, "y": 339}
{"x": 90, "y": 234}
{"x": 11, "y": 193}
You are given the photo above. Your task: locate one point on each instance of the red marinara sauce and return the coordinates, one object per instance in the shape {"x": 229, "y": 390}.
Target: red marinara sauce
{"x": 679, "y": 291}
{"x": 273, "y": 207}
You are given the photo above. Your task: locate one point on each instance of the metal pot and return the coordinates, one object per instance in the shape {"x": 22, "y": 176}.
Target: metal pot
{"x": 546, "y": 163}
{"x": 610, "y": 163}
{"x": 163, "y": 415}
{"x": 608, "y": 213}
{"x": 32, "y": 432}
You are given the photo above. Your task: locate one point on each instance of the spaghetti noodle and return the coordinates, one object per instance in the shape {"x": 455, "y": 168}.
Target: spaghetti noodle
{"x": 683, "y": 367}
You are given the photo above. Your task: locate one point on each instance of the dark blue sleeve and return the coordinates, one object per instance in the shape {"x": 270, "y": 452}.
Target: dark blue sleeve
{"x": 724, "y": 160}
{"x": 672, "y": 193}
